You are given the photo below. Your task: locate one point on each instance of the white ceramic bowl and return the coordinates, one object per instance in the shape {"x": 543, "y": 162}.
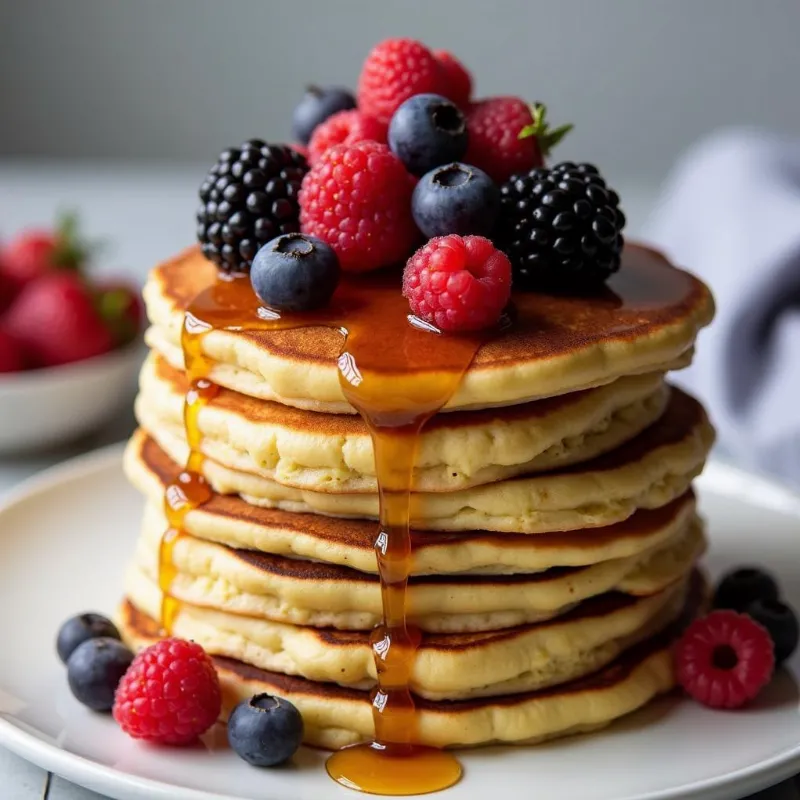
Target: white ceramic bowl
{"x": 46, "y": 407}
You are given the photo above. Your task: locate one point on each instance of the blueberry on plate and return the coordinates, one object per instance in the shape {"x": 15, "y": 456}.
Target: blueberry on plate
{"x": 456, "y": 198}
{"x": 781, "y": 624}
{"x": 265, "y": 731}
{"x": 426, "y": 131}
{"x": 740, "y": 587}
{"x": 95, "y": 669}
{"x": 316, "y": 106}
{"x": 77, "y": 630}
{"x": 295, "y": 272}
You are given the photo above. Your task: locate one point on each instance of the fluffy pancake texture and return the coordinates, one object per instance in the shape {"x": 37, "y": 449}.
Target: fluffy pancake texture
{"x": 333, "y": 453}
{"x": 554, "y": 531}
{"x": 454, "y": 666}
{"x": 647, "y": 321}
{"x": 323, "y": 595}
{"x": 349, "y": 542}
{"x": 647, "y": 472}
{"x": 336, "y": 716}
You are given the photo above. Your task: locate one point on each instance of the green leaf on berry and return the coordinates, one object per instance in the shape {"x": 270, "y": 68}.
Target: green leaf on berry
{"x": 72, "y": 252}
{"x": 547, "y": 137}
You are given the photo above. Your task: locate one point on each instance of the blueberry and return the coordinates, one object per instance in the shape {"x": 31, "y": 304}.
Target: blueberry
{"x": 741, "y": 587}
{"x": 77, "y": 630}
{"x": 316, "y": 106}
{"x": 781, "y": 624}
{"x": 295, "y": 272}
{"x": 456, "y": 198}
{"x": 426, "y": 131}
{"x": 265, "y": 731}
{"x": 95, "y": 669}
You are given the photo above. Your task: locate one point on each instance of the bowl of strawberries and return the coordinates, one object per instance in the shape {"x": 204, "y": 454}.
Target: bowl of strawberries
{"x": 69, "y": 345}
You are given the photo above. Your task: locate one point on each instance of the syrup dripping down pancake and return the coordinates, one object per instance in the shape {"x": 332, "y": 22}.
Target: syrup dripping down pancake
{"x": 646, "y": 321}
{"x": 336, "y": 716}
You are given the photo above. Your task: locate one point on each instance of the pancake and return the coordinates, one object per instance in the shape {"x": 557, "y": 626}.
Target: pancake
{"x": 333, "y": 452}
{"x": 453, "y": 666}
{"x": 647, "y": 472}
{"x": 302, "y": 592}
{"x": 646, "y": 321}
{"x": 336, "y": 716}
{"x": 227, "y": 519}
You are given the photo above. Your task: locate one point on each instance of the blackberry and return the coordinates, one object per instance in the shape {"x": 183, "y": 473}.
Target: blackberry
{"x": 560, "y": 227}
{"x": 248, "y": 198}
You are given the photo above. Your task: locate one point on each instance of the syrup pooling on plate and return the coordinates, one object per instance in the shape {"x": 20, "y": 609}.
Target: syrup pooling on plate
{"x": 396, "y": 375}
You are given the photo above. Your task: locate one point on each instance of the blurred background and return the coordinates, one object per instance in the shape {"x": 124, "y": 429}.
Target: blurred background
{"x": 125, "y": 103}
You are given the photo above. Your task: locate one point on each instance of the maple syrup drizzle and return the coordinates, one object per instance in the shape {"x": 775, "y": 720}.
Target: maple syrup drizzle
{"x": 397, "y": 376}
{"x": 189, "y": 490}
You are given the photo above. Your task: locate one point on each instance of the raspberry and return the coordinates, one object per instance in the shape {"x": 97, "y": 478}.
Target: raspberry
{"x": 506, "y": 135}
{"x": 458, "y": 283}
{"x": 344, "y": 127}
{"x": 395, "y": 70}
{"x": 724, "y": 660}
{"x": 455, "y": 77}
{"x": 357, "y": 198}
{"x": 170, "y": 694}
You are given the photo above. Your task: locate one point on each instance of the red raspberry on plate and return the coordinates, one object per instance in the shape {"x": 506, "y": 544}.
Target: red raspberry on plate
{"x": 458, "y": 283}
{"x": 457, "y": 82}
{"x": 506, "y": 135}
{"x": 170, "y": 693}
{"x": 357, "y": 198}
{"x": 55, "y": 320}
{"x": 344, "y": 127}
{"x": 395, "y": 70}
{"x": 724, "y": 660}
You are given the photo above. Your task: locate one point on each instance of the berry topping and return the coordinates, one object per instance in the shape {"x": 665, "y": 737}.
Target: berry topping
{"x": 458, "y": 284}
{"x": 395, "y": 70}
{"x": 295, "y": 272}
{"x": 265, "y": 731}
{"x": 346, "y": 127}
{"x": 357, "y": 198}
{"x": 506, "y": 135}
{"x": 248, "y": 198}
{"x": 741, "y": 587}
{"x": 426, "y": 131}
{"x": 170, "y": 694}
{"x": 77, "y": 630}
{"x": 95, "y": 669}
{"x": 456, "y": 198}
{"x": 316, "y": 106}
{"x": 781, "y": 624}
{"x": 561, "y": 227}
{"x": 56, "y": 322}
{"x": 724, "y": 660}
{"x": 456, "y": 80}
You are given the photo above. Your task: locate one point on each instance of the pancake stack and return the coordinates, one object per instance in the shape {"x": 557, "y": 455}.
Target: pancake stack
{"x": 555, "y": 534}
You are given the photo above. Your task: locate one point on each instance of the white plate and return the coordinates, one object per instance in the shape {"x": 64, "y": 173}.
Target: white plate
{"x": 64, "y": 540}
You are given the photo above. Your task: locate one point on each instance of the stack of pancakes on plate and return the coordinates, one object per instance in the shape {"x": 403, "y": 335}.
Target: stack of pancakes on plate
{"x": 555, "y": 531}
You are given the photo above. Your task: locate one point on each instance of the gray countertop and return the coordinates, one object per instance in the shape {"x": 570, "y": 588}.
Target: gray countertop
{"x": 145, "y": 211}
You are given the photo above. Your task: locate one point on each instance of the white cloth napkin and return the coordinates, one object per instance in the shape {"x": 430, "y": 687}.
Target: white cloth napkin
{"x": 730, "y": 212}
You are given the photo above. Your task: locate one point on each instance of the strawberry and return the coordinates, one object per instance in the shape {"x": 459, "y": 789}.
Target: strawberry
{"x": 8, "y": 291}
{"x": 506, "y": 136}
{"x": 121, "y": 308}
{"x": 34, "y": 253}
{"x": 56, "y": 321}
{"x": 12, "y": 357}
